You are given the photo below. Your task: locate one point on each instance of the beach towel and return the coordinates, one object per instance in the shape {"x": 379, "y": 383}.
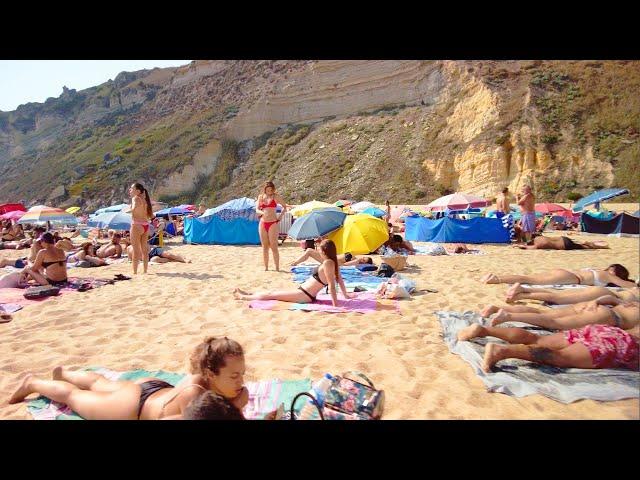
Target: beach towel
{"x": 351, "y": 275}
{"x": 520, "y": 378}
{"x": 365, "y": 302}
{"x": 9, "y": 307}
{"x": 264, "y": 396}
{"x": 74, "y": 284}
{"x": 435, "y": 249}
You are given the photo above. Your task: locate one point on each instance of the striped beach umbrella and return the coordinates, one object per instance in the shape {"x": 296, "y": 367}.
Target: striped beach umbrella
{"x": 43, "y": 214}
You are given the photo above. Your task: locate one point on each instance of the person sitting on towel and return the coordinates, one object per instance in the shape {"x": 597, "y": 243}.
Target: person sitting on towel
{"x": 50, "y": 266}
{"x": 327, "y": 274}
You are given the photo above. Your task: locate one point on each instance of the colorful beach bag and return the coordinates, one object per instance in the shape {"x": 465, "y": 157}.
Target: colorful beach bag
{"x": 346, "y": 399}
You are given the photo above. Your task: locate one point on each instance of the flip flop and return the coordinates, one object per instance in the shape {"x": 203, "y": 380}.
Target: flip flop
{"x": 5, "y": 318}
{"x": 120, "y": 276}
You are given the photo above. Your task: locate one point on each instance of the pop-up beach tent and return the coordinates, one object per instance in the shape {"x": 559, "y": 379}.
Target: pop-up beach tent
{"x": 446, "y": 230}
{"x": 622, "y": 224}
{"x": 232, "y": 223}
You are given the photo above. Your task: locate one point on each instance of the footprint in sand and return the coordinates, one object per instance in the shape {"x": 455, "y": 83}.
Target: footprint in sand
{"x": 279, "y": 340}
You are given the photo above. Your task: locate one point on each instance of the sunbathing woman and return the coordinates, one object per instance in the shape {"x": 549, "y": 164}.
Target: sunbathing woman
{"x": 561, "y": 243}
{"x": 217, "y": 365}
{"x": 615, "y": 274}
{"x": 87, "y": 254}
{"x": 54, "y": 262}
{"x": 565, "y": 297}
{"x": 607, "y": 310}
{"x": 593, "y": 346}
{"x": 113, "y": 249}
{"x": 11, "y": 232}
{"x": 268, "y": 228}
{"x": 63, "y": 243}
{"x": 326, "y": 275}
{"x": 141, "y": 213}
{"x": 345, "y": 259}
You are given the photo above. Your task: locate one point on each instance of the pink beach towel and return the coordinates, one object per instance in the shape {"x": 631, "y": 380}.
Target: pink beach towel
{"x": 365, "y": 302}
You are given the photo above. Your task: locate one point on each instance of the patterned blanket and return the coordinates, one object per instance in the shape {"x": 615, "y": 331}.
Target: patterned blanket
{"x": 520, "y": 378}
{"x": 264, "y": 396}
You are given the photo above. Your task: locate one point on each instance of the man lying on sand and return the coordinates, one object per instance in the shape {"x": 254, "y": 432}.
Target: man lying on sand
{"x": 593, "y": 346}
{"x": 159, "y": 255}
{"x": 561, "y": 243}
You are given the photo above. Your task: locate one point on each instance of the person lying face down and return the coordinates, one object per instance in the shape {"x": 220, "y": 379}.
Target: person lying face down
{"x": 346, "y": 259}
{"x": 217, "y": 366}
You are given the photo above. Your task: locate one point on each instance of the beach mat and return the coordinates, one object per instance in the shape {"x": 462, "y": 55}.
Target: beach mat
{"x": 264, "y": 396}
{"x": 9, "y": 307}
{"x": 351, "y": 275}
{"x": 365, "y": 302}
{"x": 16, "y": 295}
{"x": 520, "y": 378}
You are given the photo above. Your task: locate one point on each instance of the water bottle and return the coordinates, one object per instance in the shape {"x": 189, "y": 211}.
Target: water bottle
{"x": 319, "y": 390}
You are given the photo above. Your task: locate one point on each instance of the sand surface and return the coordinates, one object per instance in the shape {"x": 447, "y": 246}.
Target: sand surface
{"x": 154, "y": 322}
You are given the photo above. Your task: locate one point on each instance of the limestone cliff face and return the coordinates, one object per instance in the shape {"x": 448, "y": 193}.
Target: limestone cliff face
{"x": 403, "y": 130}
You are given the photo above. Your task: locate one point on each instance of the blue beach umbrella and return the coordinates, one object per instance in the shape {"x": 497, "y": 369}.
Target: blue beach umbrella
{"x": 173, "y": 211}
{"x": 375, "y": 211}
{"x": 113, "y": 220}
{"x": 597, "y": 197}
{"x": 316, "y": 224}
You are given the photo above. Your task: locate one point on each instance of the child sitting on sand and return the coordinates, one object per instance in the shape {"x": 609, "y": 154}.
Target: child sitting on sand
{"x": 217, "y": 365}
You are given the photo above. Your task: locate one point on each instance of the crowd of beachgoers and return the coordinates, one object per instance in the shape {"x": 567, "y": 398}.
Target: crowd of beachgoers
{"x": 595, "y": 327}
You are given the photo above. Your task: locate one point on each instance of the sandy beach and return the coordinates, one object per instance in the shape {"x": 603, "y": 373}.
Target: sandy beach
{"x": 154, "y": 322}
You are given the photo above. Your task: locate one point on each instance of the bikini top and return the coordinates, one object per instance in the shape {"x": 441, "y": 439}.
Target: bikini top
{"x": 48, "y": 264}
{"x": 178, "y": 392}
{"x": 317, "y": 276}
{"x": 272, "y": 204}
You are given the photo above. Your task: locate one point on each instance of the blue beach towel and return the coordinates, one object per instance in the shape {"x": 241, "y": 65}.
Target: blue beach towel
{"x": 351, "y": 275}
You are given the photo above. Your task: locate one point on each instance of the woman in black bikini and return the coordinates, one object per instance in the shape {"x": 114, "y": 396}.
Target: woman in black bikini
{"x": 325, "y": 275}
{"x": 53, "y": 260}
{"x": 561, "y": 243}
{"x": 217, "y": 365}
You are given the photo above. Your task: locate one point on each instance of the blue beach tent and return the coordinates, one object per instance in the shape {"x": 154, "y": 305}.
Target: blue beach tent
{"x": 447, "y": 230}
{"x": 232, "y": 223}
{"x": 597, "y": 197}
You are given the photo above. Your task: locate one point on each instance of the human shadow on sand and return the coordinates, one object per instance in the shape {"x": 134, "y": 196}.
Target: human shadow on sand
{"x": 190, "y": 276}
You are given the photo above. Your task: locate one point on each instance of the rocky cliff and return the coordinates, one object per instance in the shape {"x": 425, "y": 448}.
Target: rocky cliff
{"x": 403, "y": 130}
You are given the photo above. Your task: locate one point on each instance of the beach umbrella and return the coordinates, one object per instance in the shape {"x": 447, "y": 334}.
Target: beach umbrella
{"x": 374, "y": 211}
{"x": 112, "y": 208}
{"x": 112, "y": 220}
{"x": 316, "y": 224}
{"x": 186, "y": 206}
{"x": 343, "y": 203}
{"x": 597, "y": 197}
{"x": 10, "y": 207}
{"x": 457, "y": 201}
{"x": 72, "y": 210}
{"x": 305, "y": 208}
{"x": 43, "y": 214}
{"x": 12, "y": 215}
{"x": 637, "y": 214}
{"x": 546, "y": 208}
{"x": 180, "y": 210}
{"x": 360, "y": 234}
{"x": 360, "y": 206}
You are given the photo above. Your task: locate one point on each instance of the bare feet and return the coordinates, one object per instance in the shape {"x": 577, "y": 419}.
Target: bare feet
{"x": 23, "y": 390}
{"x": 57, "y": 373}
{"x": 513, "y": 291}
{"x": 472, "y": 331}
{"x": 501, "y": 317}
{"x": 489, "y": 278}
{"x": 493, "y": 353}
{"x": 489, "y": 310}
{"x": 239, "y": 294}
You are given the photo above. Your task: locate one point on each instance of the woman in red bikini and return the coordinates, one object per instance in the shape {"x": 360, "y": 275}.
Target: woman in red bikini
{"x": 141, "y": 214}
{"x": 268, "y": 228}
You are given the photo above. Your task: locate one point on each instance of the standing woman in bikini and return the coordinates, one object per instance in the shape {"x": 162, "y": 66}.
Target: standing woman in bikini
{"x": 141, "y": 214}
{"x": 268, "y": 227}
{"x": 217, "y": 365}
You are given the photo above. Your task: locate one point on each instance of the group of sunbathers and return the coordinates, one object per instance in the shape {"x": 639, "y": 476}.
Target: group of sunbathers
{"x": 597, "y": 327}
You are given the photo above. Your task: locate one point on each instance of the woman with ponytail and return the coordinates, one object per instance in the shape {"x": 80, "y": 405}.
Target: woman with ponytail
{"x": 141, "y": 213}
{"x": 325, "y": 275}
